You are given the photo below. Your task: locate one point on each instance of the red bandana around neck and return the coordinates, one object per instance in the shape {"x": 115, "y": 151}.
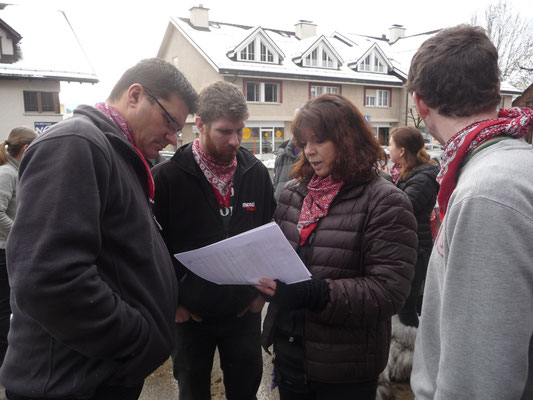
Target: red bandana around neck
{"x": 395, "y": 172}
{"x": 513, "y": 122}
{"x": 316, "y": 204}
{"x": 219, "y": 176}
{"x": 112, "y": 113}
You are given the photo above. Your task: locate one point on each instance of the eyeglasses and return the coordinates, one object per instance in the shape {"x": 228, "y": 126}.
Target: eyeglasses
{"x": 172, "y": 122}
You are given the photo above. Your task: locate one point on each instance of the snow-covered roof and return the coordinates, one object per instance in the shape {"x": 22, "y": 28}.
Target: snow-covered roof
{"x": 49, "y": 48}
{"x": 221, "y": 38}
{"x": 219, "y": 41}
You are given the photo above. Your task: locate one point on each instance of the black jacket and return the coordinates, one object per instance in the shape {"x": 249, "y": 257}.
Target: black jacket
{"x": 421, "y": 187}
{"x": 189, "y": 214}
{"x": 93, "y": 291}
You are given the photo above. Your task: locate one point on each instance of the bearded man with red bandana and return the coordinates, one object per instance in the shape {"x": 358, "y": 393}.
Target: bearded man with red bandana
{"x": 475, "y": 335}
{"x": 212, "y": 189}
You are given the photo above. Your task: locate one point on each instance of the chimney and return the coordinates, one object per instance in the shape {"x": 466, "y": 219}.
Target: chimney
{"x": 396, "y": 32}
{"x": 200, "y": 17}
{"x": 305, "y": 29}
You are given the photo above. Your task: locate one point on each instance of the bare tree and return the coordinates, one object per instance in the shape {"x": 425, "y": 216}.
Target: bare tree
{"x": 513, "y": 37}
{"x": 415, "y": 117}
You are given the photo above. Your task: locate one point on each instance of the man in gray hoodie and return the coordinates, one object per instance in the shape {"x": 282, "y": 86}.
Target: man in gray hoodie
{"x": 475, "y": 335}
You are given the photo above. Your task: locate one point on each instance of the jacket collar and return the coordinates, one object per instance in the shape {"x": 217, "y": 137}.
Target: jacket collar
{"x": 348, "y": 191}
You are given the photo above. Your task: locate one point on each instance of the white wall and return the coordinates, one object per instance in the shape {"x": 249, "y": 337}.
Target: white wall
{"x": 12, "y": 104}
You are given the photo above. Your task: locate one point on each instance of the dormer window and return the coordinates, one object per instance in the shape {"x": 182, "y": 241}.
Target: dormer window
{"x": 258, "y": 50}
{"x": 365, "y": 64}
{"x": 373, "y": 62}
{"x": 266, "y": 55}
{"x": 320, "y": 56}
{"x": 248, "y": 53}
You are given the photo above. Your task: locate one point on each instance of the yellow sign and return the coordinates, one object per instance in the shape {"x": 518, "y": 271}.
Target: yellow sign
{"x": 247, "y": 132}
{"x": 278, "y": 133}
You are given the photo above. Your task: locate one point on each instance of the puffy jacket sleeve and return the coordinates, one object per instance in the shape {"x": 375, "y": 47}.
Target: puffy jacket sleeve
{"x": 422, "y": 191}
{"x": 388, "y": 254}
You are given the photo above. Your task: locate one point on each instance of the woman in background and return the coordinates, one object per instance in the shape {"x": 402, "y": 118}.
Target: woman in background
{"x": 417, "y": 178}
{"x": 415, "y": 174}
{"x": 355, "y": 232}
{"x": 11, "y": 152}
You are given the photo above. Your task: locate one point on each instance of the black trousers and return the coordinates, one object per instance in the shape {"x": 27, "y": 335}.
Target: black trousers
{"x": 409, "y": 313}
{"x": 102, "y": 393}
{"x": 239, "y": 347}
{"x": 5, "y": 308}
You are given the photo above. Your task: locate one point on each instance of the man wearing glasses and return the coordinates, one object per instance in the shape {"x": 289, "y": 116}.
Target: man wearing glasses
{"x": 94, "y": 294}
{"x": 212, "y": 189}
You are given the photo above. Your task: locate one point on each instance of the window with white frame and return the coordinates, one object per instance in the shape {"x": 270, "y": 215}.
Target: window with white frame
{"x": 377, "y": 97}
{"x": 320, "y": 57}
{"x": 317, "y": 90}
{"x": 263, "y": 92}
{"x": 312, "y": 59}
{"x": 266, "y": 54}
{"x": 365, "y": 64}
{"x": 258, "y": 50}
{"x": 378, "y": 65}
{"x": 373, "y": 63}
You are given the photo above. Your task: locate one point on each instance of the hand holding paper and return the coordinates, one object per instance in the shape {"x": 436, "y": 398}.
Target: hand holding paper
{"x": 263, "y": 252}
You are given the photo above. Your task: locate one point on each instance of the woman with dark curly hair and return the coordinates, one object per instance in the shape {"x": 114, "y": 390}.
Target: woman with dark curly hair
{"x": 356, "y": 234}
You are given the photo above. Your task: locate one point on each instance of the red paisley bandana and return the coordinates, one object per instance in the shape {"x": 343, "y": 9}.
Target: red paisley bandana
{"x": 316, "y": 204}
{"x": 113, "y": 114}
{"x": 218, "y": 175}
{"x": 396, "y": 172}
{"x": 513, "y": 122}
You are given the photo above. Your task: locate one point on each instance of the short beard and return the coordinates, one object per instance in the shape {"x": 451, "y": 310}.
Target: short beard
{"x": 222, "y": 158}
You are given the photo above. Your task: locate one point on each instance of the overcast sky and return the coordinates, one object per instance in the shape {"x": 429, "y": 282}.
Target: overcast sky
{"x": 117, "y": 33}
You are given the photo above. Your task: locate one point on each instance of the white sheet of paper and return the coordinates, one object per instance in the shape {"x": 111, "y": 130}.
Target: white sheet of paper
{"x": 263, "y": 252}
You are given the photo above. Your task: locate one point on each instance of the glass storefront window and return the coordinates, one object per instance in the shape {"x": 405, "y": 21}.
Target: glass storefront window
{"x": 262, "y": 140}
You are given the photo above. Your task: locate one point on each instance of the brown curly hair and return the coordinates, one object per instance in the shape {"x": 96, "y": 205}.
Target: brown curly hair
{"x": 334, "y": 117}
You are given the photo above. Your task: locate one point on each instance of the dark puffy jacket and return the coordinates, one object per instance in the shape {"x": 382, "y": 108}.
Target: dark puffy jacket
{"x": 365, "y": 248}
{"x": 421, "y": 187}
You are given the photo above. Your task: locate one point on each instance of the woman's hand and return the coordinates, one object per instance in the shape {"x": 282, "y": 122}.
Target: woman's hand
{"x": 267, "y": 287}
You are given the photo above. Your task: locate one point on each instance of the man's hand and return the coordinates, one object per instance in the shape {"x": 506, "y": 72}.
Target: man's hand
{"x": 255, "y": 306}
{"x": 183, "y": 315}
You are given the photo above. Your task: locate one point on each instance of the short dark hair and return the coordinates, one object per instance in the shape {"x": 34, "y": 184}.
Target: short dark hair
{"x": 334, "y": 117}
{"x": 413, "y": 143}
{"x": 161, "y": 78}
{"x": 456, "y": 72}
{"x": 222, "y": 99}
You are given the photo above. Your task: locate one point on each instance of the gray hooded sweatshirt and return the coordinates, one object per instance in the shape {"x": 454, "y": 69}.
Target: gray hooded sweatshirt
{"x": 474, "y": 340}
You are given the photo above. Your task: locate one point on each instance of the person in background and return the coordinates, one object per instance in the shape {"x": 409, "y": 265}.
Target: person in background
{"x": 356, "y": 234}
{"x": 475, "y": 339}
{"x": 11, "y": 152}
{"x": 286, "y": 154}
{"x": 414, "y": 173}
{"x": 93, "y": 291}
{"x": 417, "y": 178}
{"x": 212, "y": 189}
